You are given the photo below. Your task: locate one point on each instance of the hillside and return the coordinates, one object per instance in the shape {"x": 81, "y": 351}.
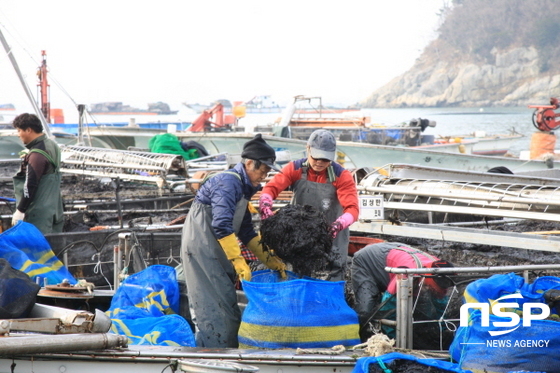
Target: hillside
{"x": 488, "y": 53}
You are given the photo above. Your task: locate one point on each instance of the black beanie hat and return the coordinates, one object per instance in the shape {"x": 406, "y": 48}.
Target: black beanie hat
{"x": 257, "y": 149}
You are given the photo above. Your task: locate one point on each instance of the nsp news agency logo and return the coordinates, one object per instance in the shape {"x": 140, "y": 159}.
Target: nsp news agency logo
{"x": 515, "y": 321}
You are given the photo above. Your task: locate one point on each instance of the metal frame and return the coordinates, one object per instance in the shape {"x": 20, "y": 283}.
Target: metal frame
{"x": 405, "y": 277}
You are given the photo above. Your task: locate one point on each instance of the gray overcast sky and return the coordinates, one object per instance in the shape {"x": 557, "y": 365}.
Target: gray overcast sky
{"x": 202, "y": 50}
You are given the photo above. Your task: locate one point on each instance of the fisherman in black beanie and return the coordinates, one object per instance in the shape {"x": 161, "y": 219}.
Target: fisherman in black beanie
{"x": 258, "y": 150}
{"x": 218, "y": 220}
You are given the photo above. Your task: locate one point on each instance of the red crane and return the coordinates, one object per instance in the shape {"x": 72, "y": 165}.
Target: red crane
{"x": 44, "y": 88}
{"x": 204, "y": 122}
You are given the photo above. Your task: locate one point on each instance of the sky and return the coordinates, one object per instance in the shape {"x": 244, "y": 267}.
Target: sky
{"x": 198, "y": 51}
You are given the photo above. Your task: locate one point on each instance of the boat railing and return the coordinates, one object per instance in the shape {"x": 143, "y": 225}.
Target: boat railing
{"x": 405, "y": 322}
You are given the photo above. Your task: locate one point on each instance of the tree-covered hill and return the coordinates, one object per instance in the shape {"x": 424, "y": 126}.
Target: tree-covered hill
{"x": 488, "y": 53}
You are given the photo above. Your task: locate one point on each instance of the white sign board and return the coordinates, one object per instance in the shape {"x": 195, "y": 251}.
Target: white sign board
{"x": 371, "y": 207}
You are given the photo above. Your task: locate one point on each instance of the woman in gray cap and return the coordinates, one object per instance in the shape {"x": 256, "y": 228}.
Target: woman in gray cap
{"x": 210, "y": 251}
{"x": 324, "y": 184}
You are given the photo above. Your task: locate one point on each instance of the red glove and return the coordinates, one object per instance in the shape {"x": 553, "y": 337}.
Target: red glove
{"x": 265, "y": 206}
{"x": 343, "y": 222}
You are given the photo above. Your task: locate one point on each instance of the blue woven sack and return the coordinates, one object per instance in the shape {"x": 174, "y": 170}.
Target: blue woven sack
{"x": 506, "y": 347}
{"x": 531, "y": 348}
{"x": 305, "y": 313}
{"x": 144, "y": 309}
{"x": 27, "y": 250}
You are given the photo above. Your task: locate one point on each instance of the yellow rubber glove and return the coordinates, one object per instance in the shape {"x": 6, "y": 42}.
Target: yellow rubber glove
{"x": 252, "y": 209}
{"x": 233, "y": 253}
{"x": 271, "y": 261}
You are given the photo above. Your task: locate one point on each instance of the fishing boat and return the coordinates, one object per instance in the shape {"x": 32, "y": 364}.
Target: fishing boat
{"x": 351, "y": 126}
{"x": 100, "y": 351}
{"x": 92, "y": 352}
{"x": 485, "y": 144}
{"x": 260, "y": 104}
{"x": 7, "y": 107}
{"x": 118, "y": 108}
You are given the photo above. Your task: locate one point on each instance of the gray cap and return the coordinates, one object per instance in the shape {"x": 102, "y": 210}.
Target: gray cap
{"x": 322, "y": 144}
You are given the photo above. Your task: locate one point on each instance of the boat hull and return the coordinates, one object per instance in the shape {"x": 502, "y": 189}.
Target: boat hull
{"x": 350, "y": 154}
{"x": 495, "y": 145}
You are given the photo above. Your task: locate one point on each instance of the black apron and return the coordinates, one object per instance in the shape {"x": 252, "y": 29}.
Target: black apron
{"x": 322, "y": 196}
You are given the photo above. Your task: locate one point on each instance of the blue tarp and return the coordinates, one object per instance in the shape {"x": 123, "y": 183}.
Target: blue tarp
{"x": 531, "y": 348}
{"x": 27, "y": 250}
{"x": 509, "y": 346}
{"x": 145, "y": 306}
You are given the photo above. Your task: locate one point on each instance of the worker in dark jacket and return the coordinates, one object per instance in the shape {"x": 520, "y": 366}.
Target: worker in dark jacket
{"x": 320, "y": 182}
{"x": 373, "y": 286}
{"x": 37, "y": 184}
{"x": 210, "y": 250}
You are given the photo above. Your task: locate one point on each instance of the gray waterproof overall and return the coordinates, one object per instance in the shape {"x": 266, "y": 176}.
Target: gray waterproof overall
{"x": 210, "y": 278}
{"x": 322, "y": 196}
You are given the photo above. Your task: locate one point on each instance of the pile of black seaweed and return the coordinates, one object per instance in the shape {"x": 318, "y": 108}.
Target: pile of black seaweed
{"x": 299, "y": 235}
{"x": 405, "y": 366}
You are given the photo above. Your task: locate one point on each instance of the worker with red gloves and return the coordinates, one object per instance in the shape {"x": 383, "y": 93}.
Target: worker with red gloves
{"x": 320, "y": 182}
{"x": 210, "y": 251}
{"x": 374, "y": 288}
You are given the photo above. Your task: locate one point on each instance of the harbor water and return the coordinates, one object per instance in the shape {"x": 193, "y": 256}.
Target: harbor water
{"x": 449, "y": 121}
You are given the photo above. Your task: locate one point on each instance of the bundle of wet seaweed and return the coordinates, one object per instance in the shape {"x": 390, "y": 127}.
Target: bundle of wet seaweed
{"x": 406, "y": 366}
{"x": 299, "y": 235}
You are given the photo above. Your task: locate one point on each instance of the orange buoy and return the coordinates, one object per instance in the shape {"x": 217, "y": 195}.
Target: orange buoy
{"x": 542, "y": 143}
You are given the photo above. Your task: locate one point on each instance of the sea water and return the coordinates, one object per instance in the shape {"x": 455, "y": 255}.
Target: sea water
{"x": 449, "y": 121}
{"x": 463, "y": 121}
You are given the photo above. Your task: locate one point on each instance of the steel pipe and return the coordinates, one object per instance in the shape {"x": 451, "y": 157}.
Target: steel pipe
{"x": 32, "y": 344}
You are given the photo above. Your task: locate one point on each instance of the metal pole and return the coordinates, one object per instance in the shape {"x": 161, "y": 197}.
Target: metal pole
{"x": 81, "y": 108}
{"x": 528, "y": 267}
{"x": 117, "y": 182}
{"x": 117, "y": 261}
{"x": 404, "y": 311}
{"x": 26, "y": 345}
{"x": 38, "y": 111}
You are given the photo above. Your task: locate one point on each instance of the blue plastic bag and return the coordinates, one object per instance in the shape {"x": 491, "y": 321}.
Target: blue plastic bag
{"x": 145, "y": 306}
{"x": 27, "y": 250}
{"x": 533, "y": 348}
{"x": 516, "y": 346}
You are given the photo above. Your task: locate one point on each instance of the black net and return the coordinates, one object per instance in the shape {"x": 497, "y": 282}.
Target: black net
{"x": 17, "y": 292}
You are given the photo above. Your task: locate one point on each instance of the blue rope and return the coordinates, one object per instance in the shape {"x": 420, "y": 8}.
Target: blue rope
{"x": 383, "y": 366}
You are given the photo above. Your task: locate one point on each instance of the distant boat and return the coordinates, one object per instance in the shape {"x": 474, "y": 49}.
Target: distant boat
{"x": 117, "y": 108}
{"x": 199, "y": 108}
{"x": 258, "y": 104}
{"x": 7, "y": 107}
{"x": 358, "y": 128}
{"x": 262, "y": 104}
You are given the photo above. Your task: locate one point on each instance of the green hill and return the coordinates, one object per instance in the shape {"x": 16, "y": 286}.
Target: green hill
{"x": 487, "y": 53}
